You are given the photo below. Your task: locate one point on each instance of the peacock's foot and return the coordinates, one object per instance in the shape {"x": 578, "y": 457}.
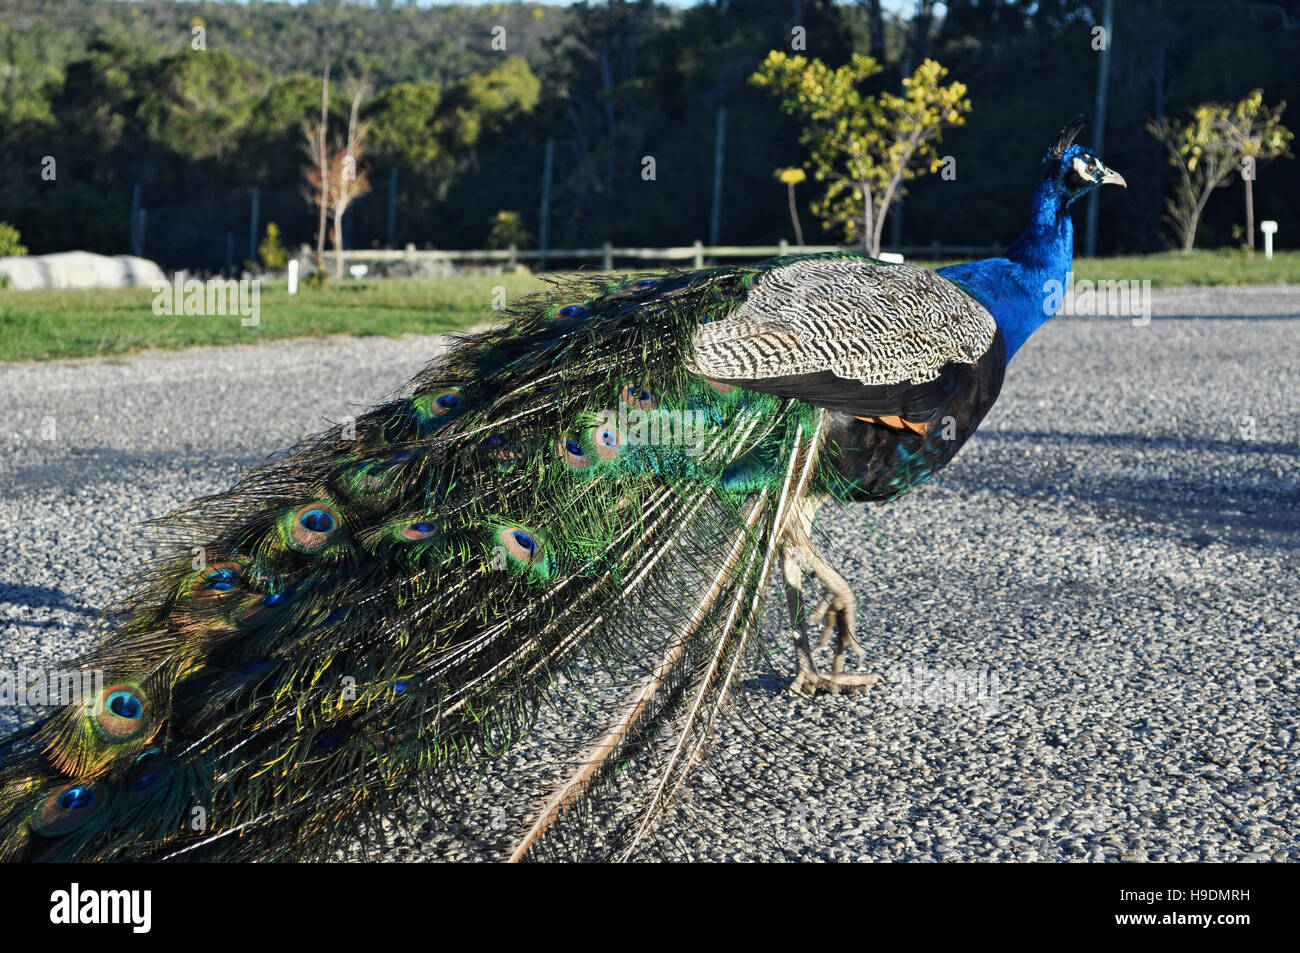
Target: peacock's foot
{"x": 836, "y": 613}
{"x": 811, "y": 682}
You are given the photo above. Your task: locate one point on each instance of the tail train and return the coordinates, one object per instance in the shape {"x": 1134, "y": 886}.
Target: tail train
{"x": 354, "y": 623}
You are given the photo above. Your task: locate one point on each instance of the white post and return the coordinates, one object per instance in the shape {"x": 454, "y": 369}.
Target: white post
{"x": 293, "y": 277}
{"x": 1268, "y": 228}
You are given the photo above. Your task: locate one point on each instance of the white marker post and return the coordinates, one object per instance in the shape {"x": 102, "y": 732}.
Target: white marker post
{"x": 293, "y": 277}
{"x": 1268, "y": 228}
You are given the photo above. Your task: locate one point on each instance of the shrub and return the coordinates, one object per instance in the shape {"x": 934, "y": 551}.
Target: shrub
{"x": 271, "y": 251}
{"x": 10, "y": 241}
{"x": 508, "y": 229}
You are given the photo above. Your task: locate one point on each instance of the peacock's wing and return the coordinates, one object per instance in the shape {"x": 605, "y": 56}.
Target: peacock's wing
{"x": 849, "y": 334}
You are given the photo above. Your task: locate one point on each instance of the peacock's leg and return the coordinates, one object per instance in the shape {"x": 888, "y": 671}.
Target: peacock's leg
{"x": 836, "y": 611}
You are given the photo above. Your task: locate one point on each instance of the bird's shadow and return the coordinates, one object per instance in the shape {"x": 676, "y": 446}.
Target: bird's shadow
{"x": 37, "y": 597}
{"x": 1196, "y": 506}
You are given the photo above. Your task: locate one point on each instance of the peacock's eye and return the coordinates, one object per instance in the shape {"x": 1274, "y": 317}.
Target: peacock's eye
{"x": 148, "y": 766}
{"x": 317, "y": 521}
{"x": 76, "y": 799}
{"x": 223, "y": 580}
{"x": 273, "y": 599}
{"x": 125, "y": 705}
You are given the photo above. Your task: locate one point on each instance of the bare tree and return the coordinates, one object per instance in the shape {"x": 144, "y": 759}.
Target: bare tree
{"x": 322, "y": 160}
{"x": 335, "y": 178}
{"x": 352, "y": 181}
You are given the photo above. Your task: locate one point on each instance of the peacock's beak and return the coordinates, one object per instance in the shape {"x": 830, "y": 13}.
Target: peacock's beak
{"x": 1111, "y": 177}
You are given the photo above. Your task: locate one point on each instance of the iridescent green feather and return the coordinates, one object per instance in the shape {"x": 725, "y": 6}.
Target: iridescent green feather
{"x": 393, "y": 602}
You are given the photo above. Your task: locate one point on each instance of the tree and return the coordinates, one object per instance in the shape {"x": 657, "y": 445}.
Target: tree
{"x": 603, "y": 102}
{"x": 402, "y": 118}
{"x": 318, "y": 148}
{"x": 351, "y": 181}
{"x": 1217, "y": 140}
{"x": 99, "y": 106}
{"x": 486, "y": 100}
{"x": 270, "y": 152}
{"x": 271, "y": 251}
{"x": 507, "y": 231}
{"x": 864, "y": 147}
{"x": 792, "y": 177}
{"x": 434, "y": 132}
{"x": 25, "y": 72}
{"x": 1257, "y": 133}
{"x": 201, "y": 102}
{"x": 876, "y": 22}
{"x": 336, "y": 178}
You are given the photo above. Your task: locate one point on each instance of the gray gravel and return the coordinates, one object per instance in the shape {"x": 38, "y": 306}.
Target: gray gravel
{"x": 1114, "y": 560}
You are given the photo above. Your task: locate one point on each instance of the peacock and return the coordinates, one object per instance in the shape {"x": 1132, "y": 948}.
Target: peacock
{"x": 610, "y": 479}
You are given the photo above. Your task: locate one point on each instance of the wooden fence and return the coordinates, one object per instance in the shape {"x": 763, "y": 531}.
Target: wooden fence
{"x": 607, "y": 253}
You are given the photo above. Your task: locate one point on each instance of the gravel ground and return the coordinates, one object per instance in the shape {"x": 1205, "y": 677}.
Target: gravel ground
{"x": 1105, "y": 583}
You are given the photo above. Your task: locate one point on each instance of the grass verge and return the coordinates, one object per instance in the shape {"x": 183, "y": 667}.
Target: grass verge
{"x": 40, "y": 325}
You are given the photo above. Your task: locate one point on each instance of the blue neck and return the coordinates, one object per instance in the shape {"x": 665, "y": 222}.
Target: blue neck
{"x": 1015, "y": 288}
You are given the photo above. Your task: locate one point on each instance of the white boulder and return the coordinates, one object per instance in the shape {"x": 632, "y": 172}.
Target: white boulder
{"x": 78, "y": 269}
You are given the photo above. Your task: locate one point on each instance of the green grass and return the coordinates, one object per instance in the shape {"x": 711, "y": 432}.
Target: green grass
{"x": 1170, "y": 269}
{"x": 37, "y": 325}
{"x": 1174, "y": 268}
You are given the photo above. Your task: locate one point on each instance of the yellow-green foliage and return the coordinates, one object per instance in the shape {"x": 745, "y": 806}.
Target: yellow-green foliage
{"x": 864, "y": 146}
{"x": 1210, "y": 146}
{"x": 508, "y": 229}
{"x": 273, "y": 254}
{"x": 10, "y": 241}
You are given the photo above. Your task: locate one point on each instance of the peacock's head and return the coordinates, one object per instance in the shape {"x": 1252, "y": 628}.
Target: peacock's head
{"x": 1075, "y": 170}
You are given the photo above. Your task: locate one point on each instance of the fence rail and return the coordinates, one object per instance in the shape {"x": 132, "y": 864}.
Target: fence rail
{"x": 607, "y": 253}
